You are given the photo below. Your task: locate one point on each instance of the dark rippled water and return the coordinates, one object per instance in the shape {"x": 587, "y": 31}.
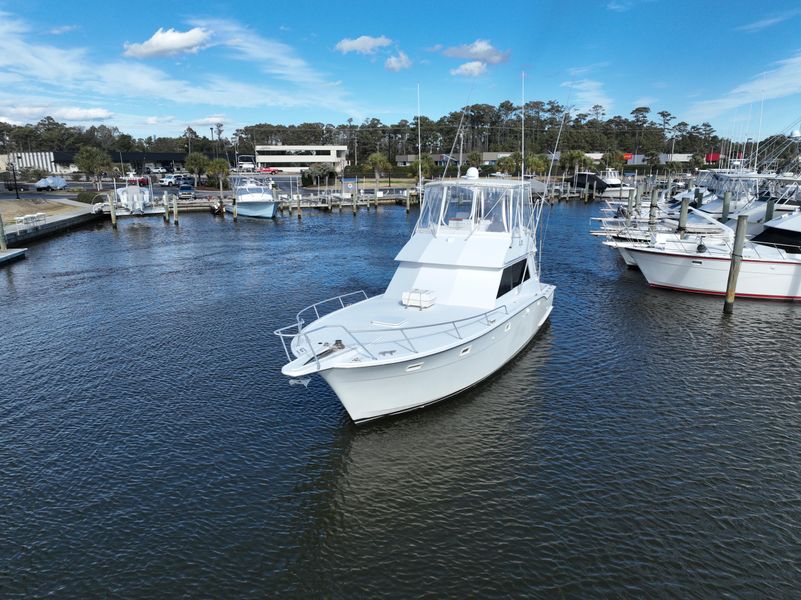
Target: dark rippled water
{"x": 642, "y": 446}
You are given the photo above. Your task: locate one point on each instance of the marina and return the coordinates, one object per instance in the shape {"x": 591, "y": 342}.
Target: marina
{"x": 311, "y": 302}
{"x": 606, "y": 443}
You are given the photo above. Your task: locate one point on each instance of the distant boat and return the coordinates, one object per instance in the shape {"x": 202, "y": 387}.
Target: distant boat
{"x": 464, "y": 300}
{"x": 254, "y": 199}
{"x": 615, "y": 188}
{"x": 132, "y": 199}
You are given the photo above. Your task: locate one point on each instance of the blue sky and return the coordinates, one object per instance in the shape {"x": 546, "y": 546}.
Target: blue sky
{"x": 152, "y": 68}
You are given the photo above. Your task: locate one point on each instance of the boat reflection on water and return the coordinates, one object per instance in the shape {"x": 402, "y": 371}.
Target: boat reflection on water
{"x": 444, "y": 469}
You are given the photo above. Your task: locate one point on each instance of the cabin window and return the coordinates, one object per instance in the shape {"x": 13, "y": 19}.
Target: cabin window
{"x": 513, "y": 276}
{"x": 495, "y": 208}
{"x": 432, "y": 207}
{"x": 458, "y": 209}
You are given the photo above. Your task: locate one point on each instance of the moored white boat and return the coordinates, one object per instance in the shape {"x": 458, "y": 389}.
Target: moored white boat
{"x": 702, "y": 266}
{"x": 465, "y": 298}
{"x": 254, "y": 199}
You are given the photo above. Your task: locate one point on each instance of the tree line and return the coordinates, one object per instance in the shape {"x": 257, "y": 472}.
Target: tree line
{"x": 474, "y": 129}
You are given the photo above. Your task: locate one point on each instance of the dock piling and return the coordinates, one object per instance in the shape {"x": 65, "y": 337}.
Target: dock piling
{"x": 685, "y": 207}
{"x": 3, "y": 244}
{"x": 175, "y": 208}
{"x": 771, "y": 205}
{"x": 166, "y": 204}
{"x": 734, "y": 266}
{"x": 726, "y": 204}
{"x": 652, "y": 209}
{"x": 113, "y": 209}
{"x": 300, "y": 211}
{"x": 630, "y": 207}
{"x": 353, "y": 203}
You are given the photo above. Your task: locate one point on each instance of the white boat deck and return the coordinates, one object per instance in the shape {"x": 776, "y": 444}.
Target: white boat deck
{"x": 383, "y": 329}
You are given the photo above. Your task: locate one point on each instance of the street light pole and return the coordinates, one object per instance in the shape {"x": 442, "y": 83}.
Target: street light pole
{"x": 14, "y": 175}
{"x": 212, "y": 142}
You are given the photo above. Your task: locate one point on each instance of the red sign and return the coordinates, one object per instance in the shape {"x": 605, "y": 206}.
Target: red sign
{"x": 713, "y": 157}
{"x": 628, "y": 156}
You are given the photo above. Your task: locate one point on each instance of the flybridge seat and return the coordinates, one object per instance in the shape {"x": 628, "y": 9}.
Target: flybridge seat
{"x": 417, "y": 298}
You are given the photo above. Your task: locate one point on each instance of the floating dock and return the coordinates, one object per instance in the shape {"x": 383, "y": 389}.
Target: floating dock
{"x": 7, "y": 256}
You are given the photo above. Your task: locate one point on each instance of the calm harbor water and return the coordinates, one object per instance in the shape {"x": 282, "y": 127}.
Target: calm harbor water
{"x": 642, "y": 446}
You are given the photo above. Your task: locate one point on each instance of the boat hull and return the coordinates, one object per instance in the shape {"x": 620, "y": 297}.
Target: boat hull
{"x": 261, "y": 210}
{"x": 369, "y": 392}
{"x": 704, "y": 275}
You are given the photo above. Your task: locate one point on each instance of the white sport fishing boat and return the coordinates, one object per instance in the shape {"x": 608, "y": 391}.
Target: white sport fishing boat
{"x": 615, "y": 188}
{"x": 254, "y": 199}
{"x": 701, "y": 265}
{"x": 465, "y": 298}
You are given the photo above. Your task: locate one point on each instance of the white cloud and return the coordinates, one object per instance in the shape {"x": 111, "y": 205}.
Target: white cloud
{"x": 45, "y": 77}
{"x": 625, "y": 5}
{"x": 645, "y": 101}
{"x": 363, "y": 44}
{"x": 81, "y": 114}
{"x": 784, "y": 80}
{"x": 587, "y": 93}
{"x": 208, "y": 121}
{"x": 399, "y": 62}
{"x": 159, "y": 120}
{"x": 163, "y": 43}
{"x": 480, "y": 50}
{"x": 62, "y": 29}
{"x": 470, "y": 69}
{"x": 576, "y": 71}
{"x": 766, "y": 22}
{"x": 34, "y": 111}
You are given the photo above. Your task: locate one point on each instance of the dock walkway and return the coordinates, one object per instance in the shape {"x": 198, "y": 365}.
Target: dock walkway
{"x": 31, "y": 229}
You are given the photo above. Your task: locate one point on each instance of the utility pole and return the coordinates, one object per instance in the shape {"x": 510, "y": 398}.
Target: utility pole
{"x": 213, "y": 147}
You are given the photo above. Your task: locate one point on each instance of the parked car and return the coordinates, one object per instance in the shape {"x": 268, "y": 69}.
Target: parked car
{"x": 141, "y": 181}
{"x": 186, "y": 192}
{"x": 19, "y": 186}
{"x": 168, "y": 180}
{"x": 50, "y": 183}
{"x": 269, "y": 170}
{"x": 156, "y": 170}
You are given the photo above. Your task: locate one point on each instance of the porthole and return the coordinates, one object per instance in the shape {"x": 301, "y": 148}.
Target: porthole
{"x": 465, "y": 351}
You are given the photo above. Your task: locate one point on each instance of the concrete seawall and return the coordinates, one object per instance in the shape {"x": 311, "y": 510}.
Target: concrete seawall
{"x": 41, "y": 230}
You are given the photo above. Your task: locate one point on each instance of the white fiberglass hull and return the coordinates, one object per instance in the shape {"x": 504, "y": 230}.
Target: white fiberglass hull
{"x": 777, "y": 280}
{"x": 262, "y": 210}
{"x": 369, "y": 392}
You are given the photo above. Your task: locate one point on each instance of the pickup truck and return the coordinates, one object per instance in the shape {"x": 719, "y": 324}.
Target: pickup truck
{"x": 186, "y": 192}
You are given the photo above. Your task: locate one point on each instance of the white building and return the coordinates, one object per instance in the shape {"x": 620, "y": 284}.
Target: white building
{"x": 296, "y": 159}
{"x": 57, "y": 163}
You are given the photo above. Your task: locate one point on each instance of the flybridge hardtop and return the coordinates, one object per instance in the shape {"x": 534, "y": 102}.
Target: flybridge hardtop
{"x": 465, "y": 298}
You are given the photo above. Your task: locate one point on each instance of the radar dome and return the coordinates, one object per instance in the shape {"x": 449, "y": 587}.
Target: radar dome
{"x": 472, "y": 173}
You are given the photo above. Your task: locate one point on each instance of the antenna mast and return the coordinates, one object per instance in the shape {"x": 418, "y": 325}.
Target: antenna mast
{"x": 419, "y": 149}
{"x": 522, "y": 126}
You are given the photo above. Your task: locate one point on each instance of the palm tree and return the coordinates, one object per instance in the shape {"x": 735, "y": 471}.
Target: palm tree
{"x": 219, "y": 167}
{"x": 196, "y": 163}
{"x": 537, "y": 163}
{"x": 379, "y": 164}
